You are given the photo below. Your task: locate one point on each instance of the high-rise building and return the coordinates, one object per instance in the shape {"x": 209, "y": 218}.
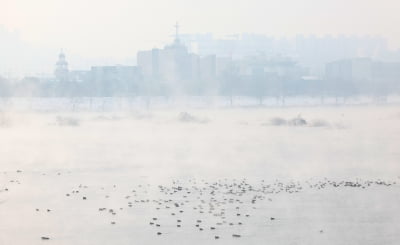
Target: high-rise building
{"x": 357, "y": 69}
{"x": 174, "y": 64}
{"x": 148, "y": 63}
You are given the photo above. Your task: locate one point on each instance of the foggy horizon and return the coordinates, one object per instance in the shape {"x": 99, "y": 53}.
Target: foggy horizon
{"x": 199, "y": 122}
{"x": 80, "y": 61}
{"x": 108, "y": 33}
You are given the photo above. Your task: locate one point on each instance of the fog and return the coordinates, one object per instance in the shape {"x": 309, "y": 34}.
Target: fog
{"x": 199, "y": 122}
{"x": 113, "y": 32}
{"x": 334, "y": 142}
{"x": 73, "y": 175}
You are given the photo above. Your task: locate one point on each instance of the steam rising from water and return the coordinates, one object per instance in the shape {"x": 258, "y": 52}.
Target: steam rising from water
{"x": 95, "y": 177}
{"x": 336, "y": 141}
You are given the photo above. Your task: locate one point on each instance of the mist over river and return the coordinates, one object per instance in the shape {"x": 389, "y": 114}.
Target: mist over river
{"x": 200, "y": 175}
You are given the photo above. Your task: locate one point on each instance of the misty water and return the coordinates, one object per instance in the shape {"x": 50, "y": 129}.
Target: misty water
{"x": 240, "y": 175}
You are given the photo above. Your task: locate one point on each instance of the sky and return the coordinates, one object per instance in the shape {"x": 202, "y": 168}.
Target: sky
{"x": 119, "y": 28}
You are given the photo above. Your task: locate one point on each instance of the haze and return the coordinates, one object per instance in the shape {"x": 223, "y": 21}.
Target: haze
{"x": 199, "y": 122}
{"x": 120, "y": 28}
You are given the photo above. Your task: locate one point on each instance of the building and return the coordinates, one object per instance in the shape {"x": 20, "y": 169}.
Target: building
{"x": 357, "y": 69}
{"x": 148, "y": 63}
{"x": 364, "y": 75}
{"x": 174, "y": 66}
{"x": 79, "y": 76}
{"x": 207, "y": 67}
{"x": 114, "y": 80}
{"x": 61, "y": 71}
{"x": 280, "y": 67}
{"x": 114, "y": 74}
{"x": 171, "y": 64}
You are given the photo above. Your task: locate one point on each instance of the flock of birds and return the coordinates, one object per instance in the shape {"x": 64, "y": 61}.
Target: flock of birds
{"x": 203, "y": 205}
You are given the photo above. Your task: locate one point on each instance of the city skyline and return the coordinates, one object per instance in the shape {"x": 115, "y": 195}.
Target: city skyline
{"x": 112, "y": 32}
{"x": 199, "y": 122}
{"x": 46, "y": 55}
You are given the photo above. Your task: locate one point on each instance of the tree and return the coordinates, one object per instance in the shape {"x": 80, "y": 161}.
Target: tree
{"x": 230, "y": 82}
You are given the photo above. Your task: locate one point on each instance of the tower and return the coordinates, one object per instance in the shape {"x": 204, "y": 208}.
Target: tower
{"x": 176, "y": 33}
{"x": 61, "y": 71}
